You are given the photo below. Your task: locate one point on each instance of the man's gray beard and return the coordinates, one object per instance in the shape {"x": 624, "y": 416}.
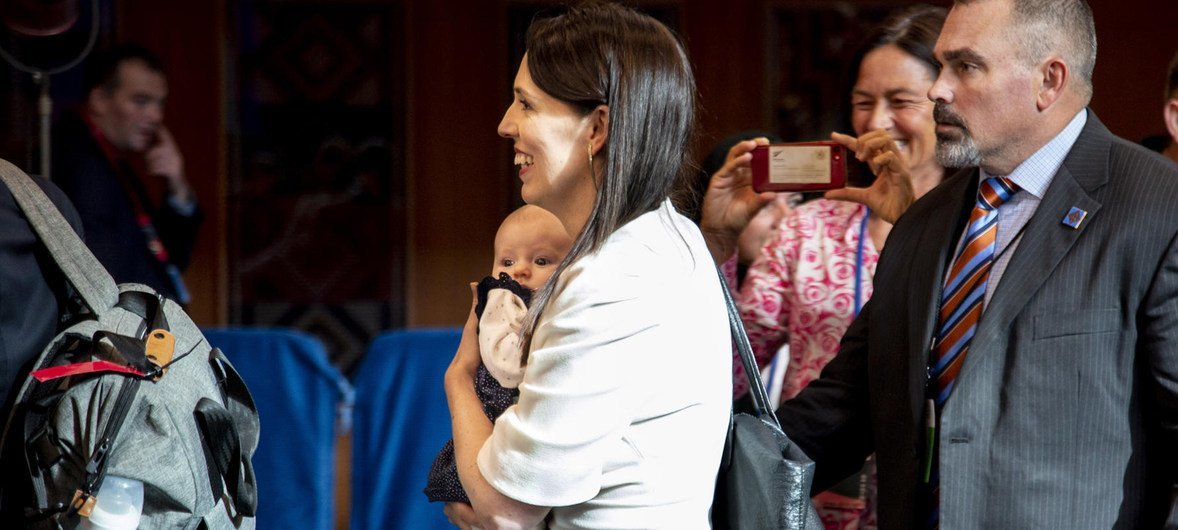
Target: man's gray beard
{"x": 957, "y": 152}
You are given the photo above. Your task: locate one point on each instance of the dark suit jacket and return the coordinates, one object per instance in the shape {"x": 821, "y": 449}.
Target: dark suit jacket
{"x": 112, "y": 233}
{"x": 31, "y": 289}
{"x": 1065, "y": 413}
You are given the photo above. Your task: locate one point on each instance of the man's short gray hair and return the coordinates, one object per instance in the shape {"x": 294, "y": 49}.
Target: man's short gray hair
{"x": 1066, "y": 27}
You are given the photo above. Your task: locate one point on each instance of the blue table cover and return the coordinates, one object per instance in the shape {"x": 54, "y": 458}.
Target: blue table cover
{"x": 298, "y": 393}
{"x": 401, "y": 421}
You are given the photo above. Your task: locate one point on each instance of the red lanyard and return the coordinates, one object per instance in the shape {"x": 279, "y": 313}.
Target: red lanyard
{"x": 129, "y": 182}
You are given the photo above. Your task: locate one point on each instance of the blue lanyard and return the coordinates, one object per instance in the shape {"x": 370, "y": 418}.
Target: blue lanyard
{"x": 859, "y": 262}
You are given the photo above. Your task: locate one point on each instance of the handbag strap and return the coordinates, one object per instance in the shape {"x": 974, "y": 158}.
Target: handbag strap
{"x": 761, "y": 407}
{"x": 81, "y": 268}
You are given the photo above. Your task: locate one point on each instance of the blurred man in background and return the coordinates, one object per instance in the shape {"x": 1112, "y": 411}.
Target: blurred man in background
{"x": 96, "y": 150}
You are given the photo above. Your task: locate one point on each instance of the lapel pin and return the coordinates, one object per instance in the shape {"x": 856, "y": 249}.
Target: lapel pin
{"x": 1074, "y": 217}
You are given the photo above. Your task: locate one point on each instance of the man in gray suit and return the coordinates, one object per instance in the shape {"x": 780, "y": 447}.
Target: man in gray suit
{"x": 1061, "y": 411}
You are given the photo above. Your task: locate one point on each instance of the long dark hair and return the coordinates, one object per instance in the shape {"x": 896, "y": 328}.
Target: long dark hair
{"x": 913, "y": 29}
{"x": 606, "y": 54}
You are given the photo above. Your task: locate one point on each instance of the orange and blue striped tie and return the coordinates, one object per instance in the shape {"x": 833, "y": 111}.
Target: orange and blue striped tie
{"x": 961, "y": 299}
{"x": 961, "y": 303}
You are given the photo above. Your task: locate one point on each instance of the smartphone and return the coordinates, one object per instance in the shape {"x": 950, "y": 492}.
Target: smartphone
{"x": 801, "y": 166}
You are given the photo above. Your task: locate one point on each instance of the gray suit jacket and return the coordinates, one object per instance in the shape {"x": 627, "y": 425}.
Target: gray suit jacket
{"x": 1065, "y": 413}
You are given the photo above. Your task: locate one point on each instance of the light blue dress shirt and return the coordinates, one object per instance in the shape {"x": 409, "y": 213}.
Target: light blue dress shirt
{"x": 1033, "y": 176}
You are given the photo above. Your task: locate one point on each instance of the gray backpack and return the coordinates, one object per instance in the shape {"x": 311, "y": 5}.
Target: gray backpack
{"x": 132, "y": 389}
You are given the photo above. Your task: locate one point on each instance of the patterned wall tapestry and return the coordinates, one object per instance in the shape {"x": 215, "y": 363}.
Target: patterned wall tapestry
{"x": 316, "y": 204}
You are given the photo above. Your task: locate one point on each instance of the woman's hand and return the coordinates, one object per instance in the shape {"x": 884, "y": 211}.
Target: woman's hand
{"x": 460, "y": 514}
{"x": 466, "y": 360}
{"x": 892, "y": 193}
{"x": 730, "y": 202}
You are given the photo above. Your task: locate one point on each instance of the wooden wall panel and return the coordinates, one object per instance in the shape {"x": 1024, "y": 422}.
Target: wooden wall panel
{"x": 459, "y": 169}
{"x": 188, "y": 38}
{"x": 1135, "y": 41}
{"x": 727, "y": 45}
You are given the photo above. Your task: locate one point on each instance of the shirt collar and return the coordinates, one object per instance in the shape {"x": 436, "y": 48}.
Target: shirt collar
{"x": 1034, "y": 175}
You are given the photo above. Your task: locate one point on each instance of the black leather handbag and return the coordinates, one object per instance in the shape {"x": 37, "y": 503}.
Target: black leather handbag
{"x": 764, "y": 479}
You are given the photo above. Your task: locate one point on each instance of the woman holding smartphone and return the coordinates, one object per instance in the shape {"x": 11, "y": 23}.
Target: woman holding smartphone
{"x": 602, "y": 436}
{"x": 816, "y": 272}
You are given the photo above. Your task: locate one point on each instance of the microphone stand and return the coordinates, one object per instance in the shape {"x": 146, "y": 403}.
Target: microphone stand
{"x": 41, "y": 78}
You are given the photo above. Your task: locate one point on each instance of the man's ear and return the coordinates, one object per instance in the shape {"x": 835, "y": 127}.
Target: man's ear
{"x": 98, "y": 102}
{"x": 1053, "y": 79}
{"x": 598, "y": 128}
{"x": 1170, "y": 114}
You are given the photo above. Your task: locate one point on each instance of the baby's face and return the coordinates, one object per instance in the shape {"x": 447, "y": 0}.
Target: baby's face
{"x": 529, "y": 252}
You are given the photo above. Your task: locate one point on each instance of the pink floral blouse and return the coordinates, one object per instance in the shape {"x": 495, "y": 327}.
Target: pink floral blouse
{"x": 802, "y": 289}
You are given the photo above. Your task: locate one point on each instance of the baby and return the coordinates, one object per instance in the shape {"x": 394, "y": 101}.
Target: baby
{"x": 529, "y": 245}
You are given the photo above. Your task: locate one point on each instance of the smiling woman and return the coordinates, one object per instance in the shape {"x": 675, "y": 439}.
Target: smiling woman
{"x": 603, "y": 111}
{"x": 892, "y": 94}
{"x": 554, "y": 145}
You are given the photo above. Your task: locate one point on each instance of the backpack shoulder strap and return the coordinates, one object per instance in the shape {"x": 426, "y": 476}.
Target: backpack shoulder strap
{"x": 81, "y": 268}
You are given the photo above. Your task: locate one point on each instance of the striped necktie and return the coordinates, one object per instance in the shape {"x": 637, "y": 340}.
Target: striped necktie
{"x": 961, "y": 298}
{"x": 961, "y": 304}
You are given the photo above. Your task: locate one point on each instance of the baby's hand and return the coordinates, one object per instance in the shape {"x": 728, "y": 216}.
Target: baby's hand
{"x": 502, "y": 283}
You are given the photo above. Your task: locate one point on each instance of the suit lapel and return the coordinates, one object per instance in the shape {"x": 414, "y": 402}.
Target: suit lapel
{"x": 938, "y": 240}
{"x": 1046, "y": 239}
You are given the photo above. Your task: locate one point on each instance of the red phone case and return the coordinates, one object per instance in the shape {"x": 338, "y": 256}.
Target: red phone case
{"x": 836, "y": 155}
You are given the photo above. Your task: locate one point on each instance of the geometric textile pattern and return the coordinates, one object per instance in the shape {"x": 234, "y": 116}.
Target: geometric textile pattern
{"x": 317, "y": 191}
